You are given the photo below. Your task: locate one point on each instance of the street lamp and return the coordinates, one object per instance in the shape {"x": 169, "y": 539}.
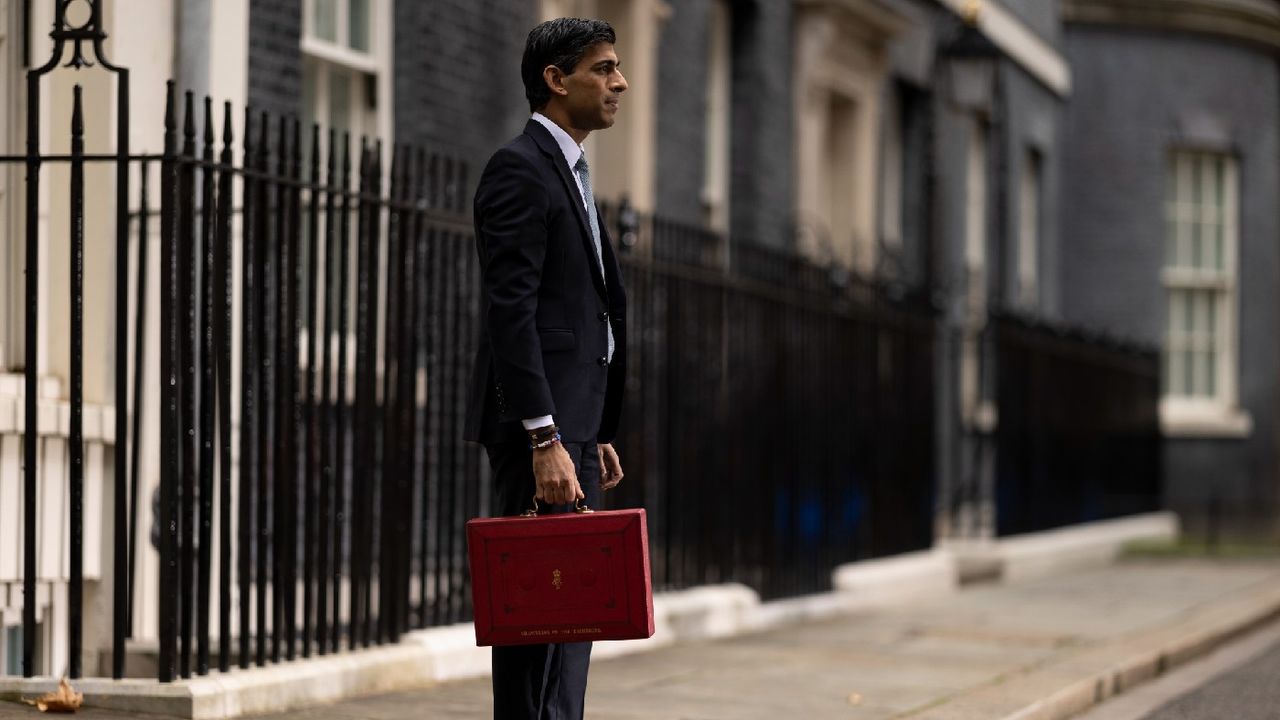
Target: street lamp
{"x": 971, "y": 63}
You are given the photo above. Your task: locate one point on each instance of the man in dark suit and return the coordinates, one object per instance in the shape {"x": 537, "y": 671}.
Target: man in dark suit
{"x": 547, "y": 385}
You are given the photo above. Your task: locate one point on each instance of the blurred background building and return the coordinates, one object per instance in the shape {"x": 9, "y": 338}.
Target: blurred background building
{"x": 987, "y": 267}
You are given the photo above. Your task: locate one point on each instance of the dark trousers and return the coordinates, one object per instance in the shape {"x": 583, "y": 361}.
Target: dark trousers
{"x": 539, "y": 682}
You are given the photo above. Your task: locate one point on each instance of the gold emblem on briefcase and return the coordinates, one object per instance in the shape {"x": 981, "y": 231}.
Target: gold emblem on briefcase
{"x": 555, "y": 579}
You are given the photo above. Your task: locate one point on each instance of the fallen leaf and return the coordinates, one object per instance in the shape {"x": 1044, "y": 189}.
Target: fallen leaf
{"x": 64, "y": 700}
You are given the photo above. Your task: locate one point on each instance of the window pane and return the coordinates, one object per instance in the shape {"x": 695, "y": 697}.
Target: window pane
{"x": 1219, "y": 240}
{"x": 324, "y": 22}
{"x": 339, "y": 101}
{"x": 1204, "y": 342}
{"x": 358, "y": 25}
{"x": 1211, "y": 369}
{"x": 1201, "y": 214}
{"x": 1188, "y": 315}
{"x": 1171, "y": 213}
{"x": 1185, "y": 212}
{"x": 1210, "y": 326}
{"x": 1212, "y": 345}
{"x": 1188, "y": 372}
{"x": 1171, "y": 324}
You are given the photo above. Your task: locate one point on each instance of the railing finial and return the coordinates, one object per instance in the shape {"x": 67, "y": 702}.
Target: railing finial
{"x": 78, "y": 22}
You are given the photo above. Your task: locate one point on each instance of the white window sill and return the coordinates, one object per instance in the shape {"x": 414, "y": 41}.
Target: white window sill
{"x": 339, "y": 55}
{"x": 1181, "y": 419}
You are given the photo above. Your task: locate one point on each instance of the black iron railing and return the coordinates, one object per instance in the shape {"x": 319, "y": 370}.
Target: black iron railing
{"x": 357, "y": 304}
{"x": 778, "y": 420}
{"x": 1079, "y": 434}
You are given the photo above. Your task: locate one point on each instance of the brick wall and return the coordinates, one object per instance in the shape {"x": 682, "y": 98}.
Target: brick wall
{"x": 457, "y": 74}
{"x": 682, "y": 106}
{"x": 761, "y": 190}
{"x": 275, "y": 56}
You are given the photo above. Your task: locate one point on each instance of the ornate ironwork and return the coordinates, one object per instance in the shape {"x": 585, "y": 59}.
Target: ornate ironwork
{"x": 66, "y": 30}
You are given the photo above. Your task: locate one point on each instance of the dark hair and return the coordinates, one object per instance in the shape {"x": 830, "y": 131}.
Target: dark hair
{"x": 561, "y": 42}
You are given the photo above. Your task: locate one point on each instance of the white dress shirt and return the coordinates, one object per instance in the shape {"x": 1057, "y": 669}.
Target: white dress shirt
{"x": 571, "y": 151}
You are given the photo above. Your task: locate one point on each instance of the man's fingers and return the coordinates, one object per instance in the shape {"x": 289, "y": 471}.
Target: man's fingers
{"x": 611, "y": 467}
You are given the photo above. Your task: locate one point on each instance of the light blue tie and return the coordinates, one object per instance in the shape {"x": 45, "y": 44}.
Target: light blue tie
{"x": 584, "y": 176}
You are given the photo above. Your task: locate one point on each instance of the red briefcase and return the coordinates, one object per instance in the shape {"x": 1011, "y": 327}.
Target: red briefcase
{"x": 560, "y": 578}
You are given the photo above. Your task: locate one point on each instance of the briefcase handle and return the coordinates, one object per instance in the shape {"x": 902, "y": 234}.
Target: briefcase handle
{"x": 578, "y": 508}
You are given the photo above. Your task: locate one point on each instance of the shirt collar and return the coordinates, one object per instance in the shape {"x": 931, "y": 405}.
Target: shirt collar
{"x": 570, "y": 149}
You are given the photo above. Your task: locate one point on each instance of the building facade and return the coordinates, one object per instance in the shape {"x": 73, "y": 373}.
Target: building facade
{"x": 1171, "y": 180}
{"x": 1063, "y": 160}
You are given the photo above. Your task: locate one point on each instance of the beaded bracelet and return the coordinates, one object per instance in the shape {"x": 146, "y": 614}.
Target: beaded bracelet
{"x": 542, "y": 433}
{"x": 545, "y": 443}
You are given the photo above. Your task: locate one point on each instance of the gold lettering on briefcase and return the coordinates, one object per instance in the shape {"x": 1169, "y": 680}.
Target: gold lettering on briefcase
{"x": 555, "y": 579}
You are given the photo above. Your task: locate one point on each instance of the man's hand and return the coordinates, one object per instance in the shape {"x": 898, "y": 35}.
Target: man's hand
{"x": 610, "y": 467}
{"x": 554, "y": 476}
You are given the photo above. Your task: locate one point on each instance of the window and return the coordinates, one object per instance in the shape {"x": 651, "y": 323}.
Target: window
{"x": 11, "y": 643}
{"x": 891, "y": 210}
{"x": 715, "y": 177}
{"x": 346, "y": 67}
{"x": 1029, "y": 230}
{"x": 841, "y": 183}
{"x": 1199, "y": 277}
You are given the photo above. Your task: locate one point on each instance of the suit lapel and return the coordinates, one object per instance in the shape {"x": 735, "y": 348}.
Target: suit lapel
{"x": 542, "y": 137}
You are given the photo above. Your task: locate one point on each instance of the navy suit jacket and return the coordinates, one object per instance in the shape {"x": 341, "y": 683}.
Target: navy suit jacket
{"x": 544, "y": 304}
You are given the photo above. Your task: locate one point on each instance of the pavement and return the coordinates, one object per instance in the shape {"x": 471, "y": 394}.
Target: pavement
{"x": 1030, "y": 650}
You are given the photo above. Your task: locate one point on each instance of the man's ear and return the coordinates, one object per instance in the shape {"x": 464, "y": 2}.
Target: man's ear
{"x": 553, "y": 76}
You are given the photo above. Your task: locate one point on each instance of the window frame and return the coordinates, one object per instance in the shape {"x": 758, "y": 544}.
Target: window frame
{"x": 1217, "y": 414}
{"x": 322, "y": 59}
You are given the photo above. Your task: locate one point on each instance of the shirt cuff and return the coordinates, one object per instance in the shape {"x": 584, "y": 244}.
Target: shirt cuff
{"x": 538, "y": 422}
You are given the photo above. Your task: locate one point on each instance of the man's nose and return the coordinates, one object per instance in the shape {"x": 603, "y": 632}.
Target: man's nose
{"x": 619, "y": 84}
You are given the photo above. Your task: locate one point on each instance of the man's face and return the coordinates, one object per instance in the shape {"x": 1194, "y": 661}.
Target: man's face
{"x": 594, "y": 89}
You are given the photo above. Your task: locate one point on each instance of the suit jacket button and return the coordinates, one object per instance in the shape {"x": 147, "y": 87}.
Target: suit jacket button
{"x": 603, "y": 361}
{"x": 603, "y": 316}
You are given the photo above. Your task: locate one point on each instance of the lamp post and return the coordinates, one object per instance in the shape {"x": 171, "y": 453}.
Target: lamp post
{"x": 970, "y": 82}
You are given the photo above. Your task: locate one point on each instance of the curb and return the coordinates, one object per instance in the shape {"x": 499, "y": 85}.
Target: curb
{"x": 1065, "y": 687}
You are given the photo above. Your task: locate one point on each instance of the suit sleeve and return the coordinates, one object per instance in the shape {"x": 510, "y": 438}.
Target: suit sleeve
{"x": 511, "y": 209}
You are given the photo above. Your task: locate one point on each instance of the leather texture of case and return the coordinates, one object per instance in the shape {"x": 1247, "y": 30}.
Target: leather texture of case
{"x": 561, "y": 578}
